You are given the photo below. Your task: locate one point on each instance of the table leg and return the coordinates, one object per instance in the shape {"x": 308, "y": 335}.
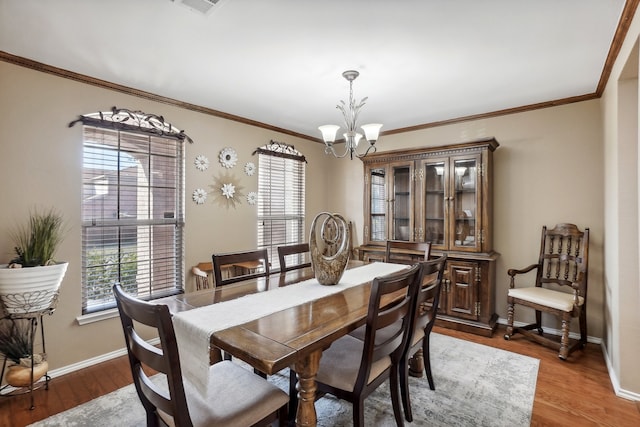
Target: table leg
{"x": 307, "y": 369}
{"x": 416, "y": 364}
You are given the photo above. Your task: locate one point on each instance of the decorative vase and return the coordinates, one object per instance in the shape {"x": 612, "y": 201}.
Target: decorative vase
{"x": 20, "y": 376}
{"x": 30, "y": 289}
{"x": 329, "y": 259}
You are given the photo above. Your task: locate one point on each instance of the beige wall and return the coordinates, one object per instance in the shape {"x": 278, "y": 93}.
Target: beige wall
{"x": 40, "y": 165}
{"x": 622, "y": 223}
{"x": 548, "y": 170}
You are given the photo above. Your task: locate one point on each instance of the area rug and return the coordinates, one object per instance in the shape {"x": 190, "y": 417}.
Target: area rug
{"x": 476, "y": 385}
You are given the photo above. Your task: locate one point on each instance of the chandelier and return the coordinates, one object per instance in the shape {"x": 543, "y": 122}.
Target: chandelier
{"x": 351, "y": 136}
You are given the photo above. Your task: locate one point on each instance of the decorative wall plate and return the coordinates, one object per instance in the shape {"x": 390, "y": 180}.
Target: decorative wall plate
{"x": 201, "y": 162}
{"x": 228, "y": 157}
{"x": 226, "y": 190}
{"x": 199, "y": 196}
{"x": 252, "y": 198}
{"x": 250, "y": 169}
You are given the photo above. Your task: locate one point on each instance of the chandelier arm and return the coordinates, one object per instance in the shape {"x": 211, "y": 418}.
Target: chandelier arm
{"x": 330, "y": 149}
{"x": 366, "y": 152}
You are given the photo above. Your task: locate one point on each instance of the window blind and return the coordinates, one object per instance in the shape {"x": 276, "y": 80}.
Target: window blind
{"x": 281, "y": 199}
{"x": 132, "y": 215}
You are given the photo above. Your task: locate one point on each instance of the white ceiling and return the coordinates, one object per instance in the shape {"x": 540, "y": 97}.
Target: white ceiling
{"x": 279, "y": 62}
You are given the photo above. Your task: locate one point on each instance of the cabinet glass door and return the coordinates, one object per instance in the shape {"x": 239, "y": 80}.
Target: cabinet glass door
{"x": 377, "y": 204}
{"x": 433, "y": 224}
{"x": 465, "y": 194}
{"x": 401, "y": 202}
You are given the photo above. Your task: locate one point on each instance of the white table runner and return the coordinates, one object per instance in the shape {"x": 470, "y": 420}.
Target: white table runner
{"x": 194, "y": 327}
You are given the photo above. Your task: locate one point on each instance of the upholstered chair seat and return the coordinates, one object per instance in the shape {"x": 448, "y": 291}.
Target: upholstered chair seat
{"x": 228, "y": 388}
{"x": 548, "y": 297}
{"x": 340, "y": 364}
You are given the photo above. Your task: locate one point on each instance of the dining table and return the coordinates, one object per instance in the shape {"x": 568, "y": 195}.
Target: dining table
{"x": 284, "y": 320}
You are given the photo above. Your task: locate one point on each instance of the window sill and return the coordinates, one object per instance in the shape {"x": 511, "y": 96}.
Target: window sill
{"x": 85, "y": 319}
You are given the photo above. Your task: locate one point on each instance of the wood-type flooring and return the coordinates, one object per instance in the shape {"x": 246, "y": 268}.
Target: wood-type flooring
{"x": 577, "y": 392}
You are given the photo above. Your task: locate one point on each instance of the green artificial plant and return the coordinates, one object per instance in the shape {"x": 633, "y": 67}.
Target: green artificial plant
{"x": 37, "y": 241}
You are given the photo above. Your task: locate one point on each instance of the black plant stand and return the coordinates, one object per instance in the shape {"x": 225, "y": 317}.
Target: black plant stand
{"x": 23, "y": 314}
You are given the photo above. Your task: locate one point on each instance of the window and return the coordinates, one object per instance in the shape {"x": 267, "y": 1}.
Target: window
{"x": 132, "y": 212}
{"x": 281, "y": 197}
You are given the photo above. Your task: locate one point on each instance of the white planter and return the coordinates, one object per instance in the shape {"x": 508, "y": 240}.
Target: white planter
{"x": 31, "y": 289}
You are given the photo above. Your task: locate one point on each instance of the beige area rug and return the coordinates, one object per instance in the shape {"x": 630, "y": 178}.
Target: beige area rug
{"x": 476, "y": 385}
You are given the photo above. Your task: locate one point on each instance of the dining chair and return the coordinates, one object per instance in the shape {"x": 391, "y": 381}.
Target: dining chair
{"x": 559, "y": 288}
{"x": 351, "y": 369}
{"x": 202, "y": 278}
{"x": 254, "y": 263}
{"x": 289, "y": 252}
{"x": 425, "y": 317}
{"x": 405, "y": 252}
{"x": 235, "y": 396}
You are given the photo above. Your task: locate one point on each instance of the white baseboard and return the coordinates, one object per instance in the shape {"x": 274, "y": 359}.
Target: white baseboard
{"x": 94, "y": 360}
{"x": 615, "y": 382}
{"x": 86, "y": 363}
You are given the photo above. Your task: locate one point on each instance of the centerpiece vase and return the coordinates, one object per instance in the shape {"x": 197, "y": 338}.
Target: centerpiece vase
{"x": 329, "y": 257}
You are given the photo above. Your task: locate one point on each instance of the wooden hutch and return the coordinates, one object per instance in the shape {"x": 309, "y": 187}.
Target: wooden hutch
{"x": 441, "y": 195}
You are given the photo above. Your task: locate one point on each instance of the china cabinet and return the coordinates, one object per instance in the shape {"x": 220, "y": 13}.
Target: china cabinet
{"x": 441, "y": 195}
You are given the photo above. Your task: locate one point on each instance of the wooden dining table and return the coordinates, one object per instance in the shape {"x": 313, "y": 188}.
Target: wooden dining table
{"x": 294, "y": 336}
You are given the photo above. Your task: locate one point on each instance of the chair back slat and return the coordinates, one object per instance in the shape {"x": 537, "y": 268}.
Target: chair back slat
{"x": 288, "y": 253}
{"x": 258, "y": 256}
{"x": 563, "y": 255}
{"x": 402, "y": 255}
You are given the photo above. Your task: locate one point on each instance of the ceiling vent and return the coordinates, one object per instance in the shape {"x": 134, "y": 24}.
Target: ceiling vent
{"x": 201, "y": 6}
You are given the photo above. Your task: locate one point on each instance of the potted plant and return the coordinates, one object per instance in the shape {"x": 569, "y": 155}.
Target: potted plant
{"x": 16, "y": 347}
{"x": 30, "y": 282}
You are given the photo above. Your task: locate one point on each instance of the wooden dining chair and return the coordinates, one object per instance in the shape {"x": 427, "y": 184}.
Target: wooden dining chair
{"x": 235, "y": 396}
{"x": 253, "y": 263}
{"x": 417, "y": 356}
{"x": 351, "y": 369}
{"x": 202, "y": 278}
{"x": 559, "y": 288}
{"x": 289, "y": 252}
{"x": 403, "y": 252}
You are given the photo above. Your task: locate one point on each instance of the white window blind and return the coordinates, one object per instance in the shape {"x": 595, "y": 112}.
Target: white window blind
{"x": 132, "y": 215}
{"x": 281, "y": 198}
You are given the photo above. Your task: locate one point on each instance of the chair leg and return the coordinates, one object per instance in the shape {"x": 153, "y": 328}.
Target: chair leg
{"x": 293, "y": 396}
{"x": 427, "y": 360}
{"x": 283, "y": 416}
{"x": 152, "y": 419}
{"x": 583, "y": 325}
{"x": 358, "y": 412}
{"x": 564, "y": 340}
{"x": 404, "y": 390}
{"x": 395, "y": 398}
{"x": 539, "y": 322}
{"x": 510, "y": 315}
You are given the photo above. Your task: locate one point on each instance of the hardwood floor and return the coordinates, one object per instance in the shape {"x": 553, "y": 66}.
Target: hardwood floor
{"x": 577, "y": 392}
